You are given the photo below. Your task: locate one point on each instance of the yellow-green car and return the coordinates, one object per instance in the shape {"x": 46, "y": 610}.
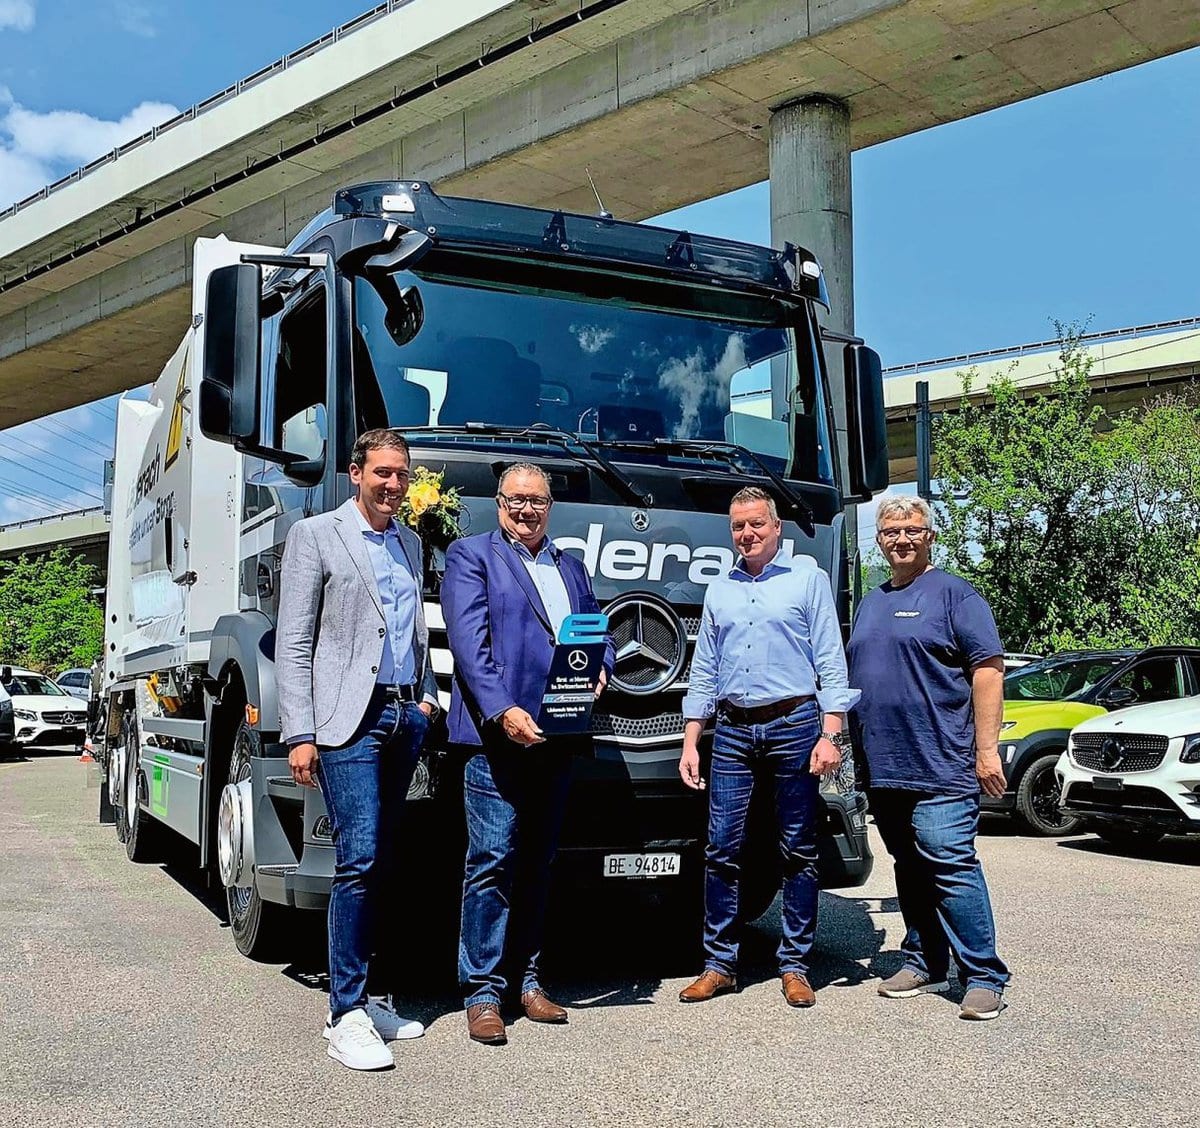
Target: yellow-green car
{"x": 1044, "y": 700}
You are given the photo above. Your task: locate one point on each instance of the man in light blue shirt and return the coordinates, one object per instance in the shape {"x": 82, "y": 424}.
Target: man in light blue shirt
{"x": 356, "y": 692}
{"x": 769, "y": 663}
{"x": 398, "y": 592}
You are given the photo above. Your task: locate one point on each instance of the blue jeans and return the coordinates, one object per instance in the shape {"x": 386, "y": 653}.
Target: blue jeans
{"x": 939, "y": 883}
{"x": 779, "y": 752}
{"x": 365, "y": 784}
{"x": 515, "y": 798}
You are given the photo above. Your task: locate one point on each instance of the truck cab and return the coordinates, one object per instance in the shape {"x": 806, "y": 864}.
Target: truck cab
{"x": 651, "y": 373}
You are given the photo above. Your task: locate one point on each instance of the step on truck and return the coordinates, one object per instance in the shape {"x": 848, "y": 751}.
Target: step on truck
{"x": 652, "y": 373}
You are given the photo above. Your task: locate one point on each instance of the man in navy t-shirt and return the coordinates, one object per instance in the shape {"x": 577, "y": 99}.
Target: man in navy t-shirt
{"x": 926, "y": 654}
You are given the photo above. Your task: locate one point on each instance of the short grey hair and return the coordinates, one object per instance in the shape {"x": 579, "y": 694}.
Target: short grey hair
{"x": 754, "y": 493}
{"x": 524, "y": 468}
{"x": 903, "y": 506}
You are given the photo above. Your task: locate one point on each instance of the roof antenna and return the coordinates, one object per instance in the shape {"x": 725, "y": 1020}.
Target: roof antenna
{"x": 604, "y": 212}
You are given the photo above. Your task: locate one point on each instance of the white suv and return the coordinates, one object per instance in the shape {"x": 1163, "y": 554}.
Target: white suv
{"x": 43, "y": 713}
{"x": 1134, "y": 775}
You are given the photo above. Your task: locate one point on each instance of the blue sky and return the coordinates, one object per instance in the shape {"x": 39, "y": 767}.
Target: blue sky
{"x": 1077, "y": 206}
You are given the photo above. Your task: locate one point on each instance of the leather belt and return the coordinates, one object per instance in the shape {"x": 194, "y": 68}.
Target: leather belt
{"x": 761, "y": 714}
{"x": 398, "y": 692}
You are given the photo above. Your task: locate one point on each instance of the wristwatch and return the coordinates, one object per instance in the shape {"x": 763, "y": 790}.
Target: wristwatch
{"x": 840, "y": 740}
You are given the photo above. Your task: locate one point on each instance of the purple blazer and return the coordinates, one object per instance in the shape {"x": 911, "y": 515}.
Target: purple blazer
{"x": 499, "y": 634}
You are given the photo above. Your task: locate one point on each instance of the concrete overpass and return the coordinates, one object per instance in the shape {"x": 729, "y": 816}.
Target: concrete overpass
{"x": 667, "y": 101}
{"x": 1128, "y": 368}
{"x": 83, "y": 531}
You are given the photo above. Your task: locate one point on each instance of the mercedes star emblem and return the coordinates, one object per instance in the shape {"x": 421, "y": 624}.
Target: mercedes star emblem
{"x": 650, "y": 642}
{"x": 640, "y": 520}
{"x": 1112, "y": 753}
{"x": 577, "y": 660}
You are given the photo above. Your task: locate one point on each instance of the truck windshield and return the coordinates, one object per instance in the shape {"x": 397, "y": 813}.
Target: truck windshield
{"x": 449, "y": 352}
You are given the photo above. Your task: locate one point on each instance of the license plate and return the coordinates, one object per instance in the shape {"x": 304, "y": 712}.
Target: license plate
{"x": 70, "y": 728}
{"x": 641, "y": 865}
{"x": 1107, "y": 783}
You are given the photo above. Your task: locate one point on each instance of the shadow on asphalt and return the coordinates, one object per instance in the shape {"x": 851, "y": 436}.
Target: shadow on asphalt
{"x": 602, "y": 949}
{"x": 1178, "y": 851}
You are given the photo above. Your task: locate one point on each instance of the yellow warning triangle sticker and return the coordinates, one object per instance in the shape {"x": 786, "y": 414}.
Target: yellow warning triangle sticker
{"x": 175, "y": 432}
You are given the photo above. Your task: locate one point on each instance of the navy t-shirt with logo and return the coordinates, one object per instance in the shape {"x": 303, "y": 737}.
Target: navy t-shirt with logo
{"x": 910, "y": 653}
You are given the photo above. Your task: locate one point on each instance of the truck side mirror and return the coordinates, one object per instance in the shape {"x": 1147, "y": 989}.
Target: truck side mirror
{"x": 867, "y": 423}
{"x": 229, "y": 387}
{"x": 5, "y": 675}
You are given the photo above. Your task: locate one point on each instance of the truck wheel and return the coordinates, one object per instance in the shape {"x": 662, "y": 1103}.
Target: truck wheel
{"x": 1037, "y": 800}
{"x": 142, "y": 833}
{"x": 1129, "y": 838}
{"x": 118, "y": 767}
{"x": 112, "y": 792}
{"x": 257, "y": 925}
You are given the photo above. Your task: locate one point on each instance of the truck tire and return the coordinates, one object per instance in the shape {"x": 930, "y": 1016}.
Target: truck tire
{"x": 118, "y": 767}
{"x": 143, "y": 833}
{"x": 1037, "y": 800}
{"x": 1129, "y": 838}
{"x": 257, "y": 925}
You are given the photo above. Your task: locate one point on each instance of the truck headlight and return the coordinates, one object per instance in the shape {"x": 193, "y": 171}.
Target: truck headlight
{"x": 1191, "y": 749}
{"x": 25, "y": 715}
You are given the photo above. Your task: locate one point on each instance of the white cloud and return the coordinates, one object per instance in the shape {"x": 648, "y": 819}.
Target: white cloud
{"x": 695, "y": 385}
{"x": 137, "y": 19}
{"x": 592, "y": 338}
{"x": 17, "y": 14}
{"x": 37, "y": 148}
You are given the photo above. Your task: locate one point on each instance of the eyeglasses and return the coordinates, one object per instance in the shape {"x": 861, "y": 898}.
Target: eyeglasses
{"x": 516, "y": 504}
{"x": 913, "y": 533}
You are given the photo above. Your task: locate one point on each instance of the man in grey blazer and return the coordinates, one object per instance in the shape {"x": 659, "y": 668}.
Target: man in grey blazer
{"x": 356, "y": 692}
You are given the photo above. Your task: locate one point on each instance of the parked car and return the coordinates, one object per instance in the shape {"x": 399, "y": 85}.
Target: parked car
{"x": 1134, "y": 776}
{"x": 42, "y": 713}
{"x": 1016, "y": 661}
{"x": 1045, "y": 700}
{"x": 77, "y": 682}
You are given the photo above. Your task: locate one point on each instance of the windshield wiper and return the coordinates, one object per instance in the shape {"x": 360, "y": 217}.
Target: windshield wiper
{"x": 729, "y": 453}
{"x": 570, "y": 443}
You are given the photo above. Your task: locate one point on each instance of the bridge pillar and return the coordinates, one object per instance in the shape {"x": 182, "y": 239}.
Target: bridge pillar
{"x": 811, "y": 206}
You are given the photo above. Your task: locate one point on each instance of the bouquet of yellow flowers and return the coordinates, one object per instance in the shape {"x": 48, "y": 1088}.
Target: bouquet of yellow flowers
{"x": 432, "y": 511}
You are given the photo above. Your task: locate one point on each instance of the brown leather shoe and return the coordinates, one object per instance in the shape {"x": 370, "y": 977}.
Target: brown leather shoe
{"x": 538, "y": 1008}
{"x": 485, "y": 1025}
{"x": 708, "y": 986}
{"x": 797, "y": 991}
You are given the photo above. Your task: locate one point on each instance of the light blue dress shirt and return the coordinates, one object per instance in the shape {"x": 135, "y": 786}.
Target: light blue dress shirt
{"x": 398, "y": 592}
{"x": 543, "y": 571}
{"x": 768, "y": 637}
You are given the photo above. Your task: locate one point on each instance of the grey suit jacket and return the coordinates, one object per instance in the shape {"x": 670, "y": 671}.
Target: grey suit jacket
{"x": 330, "y": 634}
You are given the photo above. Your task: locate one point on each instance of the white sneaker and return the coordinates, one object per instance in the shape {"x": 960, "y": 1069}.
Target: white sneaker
{"x": 355, "y": 1042}
{"x": 389, "y": 1025}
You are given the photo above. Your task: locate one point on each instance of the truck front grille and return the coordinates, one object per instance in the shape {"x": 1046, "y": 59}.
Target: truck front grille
{"x": 637, "y": 728}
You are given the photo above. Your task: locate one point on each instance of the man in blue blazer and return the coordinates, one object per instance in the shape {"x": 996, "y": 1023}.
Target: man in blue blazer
{"x": 505, "y": 595}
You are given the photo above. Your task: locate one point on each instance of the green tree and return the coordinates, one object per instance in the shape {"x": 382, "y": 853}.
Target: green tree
{"x": 48, "y": 616}
{"x": 1080, "y": 529}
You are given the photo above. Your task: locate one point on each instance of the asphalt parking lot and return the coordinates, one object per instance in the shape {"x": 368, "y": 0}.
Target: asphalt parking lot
{"x": 125, "y": 1002}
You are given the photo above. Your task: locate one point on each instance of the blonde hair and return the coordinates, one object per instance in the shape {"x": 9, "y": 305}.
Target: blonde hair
{"x": 755, "y": 493}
